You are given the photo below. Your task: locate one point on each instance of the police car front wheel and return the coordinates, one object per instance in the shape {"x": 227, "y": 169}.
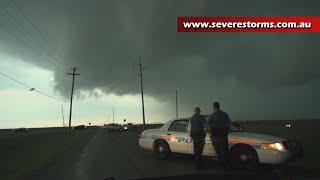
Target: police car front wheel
{"x": 244, "y": 156}
{"x": 162, "y": 149}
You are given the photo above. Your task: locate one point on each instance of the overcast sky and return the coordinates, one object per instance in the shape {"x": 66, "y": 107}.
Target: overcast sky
{"x": 252, "y": 75}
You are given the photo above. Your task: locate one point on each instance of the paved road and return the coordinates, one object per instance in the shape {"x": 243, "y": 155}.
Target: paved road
{"x": 119, "y": 155}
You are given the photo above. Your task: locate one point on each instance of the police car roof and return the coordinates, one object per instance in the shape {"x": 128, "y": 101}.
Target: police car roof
{"x": 184, "y": 118}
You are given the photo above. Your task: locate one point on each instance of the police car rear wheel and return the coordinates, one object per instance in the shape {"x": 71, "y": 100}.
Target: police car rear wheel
{"x": 162, "y": 149}
{"x": 244, "y": 156}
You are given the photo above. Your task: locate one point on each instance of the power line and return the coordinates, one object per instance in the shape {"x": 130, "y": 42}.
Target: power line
{"x": 23, "y": 40}
{"x": 53, "y": 60}
{"x": 33, "y": 25}
{"x": 31, "y": 88}
{"x": 44, "y": 37}
{"x": 37, "y": 30}
{"x": 56, "y": 63}
{"x": 58, "y": 59}
{"x": 3, "y": 9}
{"x": 49, "y": 96}
{"x": 11, "y": 78}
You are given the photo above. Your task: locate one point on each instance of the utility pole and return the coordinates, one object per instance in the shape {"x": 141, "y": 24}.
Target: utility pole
{"x": 62, "y": 113}
{"x": 177, "y": 104}
{"x": 113, "y": 114}
{"x": 142, "y": 98}
{"x": 73, "y": 73}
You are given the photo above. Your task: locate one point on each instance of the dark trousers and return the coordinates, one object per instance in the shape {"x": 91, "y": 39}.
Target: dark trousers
{"x": 198, "y": 144}
{"x": 220, "y": 144}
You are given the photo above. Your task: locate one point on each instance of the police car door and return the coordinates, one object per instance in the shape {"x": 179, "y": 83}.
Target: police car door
{"x": 179, "y": 137}
{"x": 208, "y": 149}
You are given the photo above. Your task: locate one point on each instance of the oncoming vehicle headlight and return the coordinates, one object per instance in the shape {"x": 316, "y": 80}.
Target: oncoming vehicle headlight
{"x": 273, "y": 146}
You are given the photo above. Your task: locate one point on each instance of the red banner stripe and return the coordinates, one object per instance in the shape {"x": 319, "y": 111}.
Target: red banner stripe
{"x": 249, "y": 24}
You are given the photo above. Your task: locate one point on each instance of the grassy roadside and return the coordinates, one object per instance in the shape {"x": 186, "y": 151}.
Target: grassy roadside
{"x": 21, "y": 155}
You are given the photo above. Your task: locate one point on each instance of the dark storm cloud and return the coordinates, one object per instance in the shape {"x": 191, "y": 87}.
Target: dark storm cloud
{"x": 105, "y": 38}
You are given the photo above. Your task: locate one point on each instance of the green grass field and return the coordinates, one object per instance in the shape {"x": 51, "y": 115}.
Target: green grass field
{"x": 22, "y": 155}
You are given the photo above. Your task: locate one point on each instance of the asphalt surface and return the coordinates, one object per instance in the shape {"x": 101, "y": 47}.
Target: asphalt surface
{"x": 118, "y": 155}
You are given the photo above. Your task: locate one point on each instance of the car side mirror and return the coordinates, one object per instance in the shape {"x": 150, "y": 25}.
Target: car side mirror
{"x": 239, "y": 126}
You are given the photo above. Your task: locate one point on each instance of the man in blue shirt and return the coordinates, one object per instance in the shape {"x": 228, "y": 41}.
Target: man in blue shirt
{"x": 219, "y": 123}
{"x": 198, "y": 123}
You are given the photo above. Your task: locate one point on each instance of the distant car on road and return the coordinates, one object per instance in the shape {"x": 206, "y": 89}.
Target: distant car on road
{"x": 245, "y": 148}
{"x": 80, "y": 127}
{"x": 125, "y": 128}
{"x": 130, "y": 126}
{"x": 113, "y": 127}
{"x": 20, "y": 130}
{"x": 289, "y": 125}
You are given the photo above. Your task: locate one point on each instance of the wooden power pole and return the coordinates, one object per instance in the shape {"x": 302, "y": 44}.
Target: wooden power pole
{"x": 73, "y": 74}
{"x": 177, "y": 115}
{"x": 62, "y": 113}
{"x": 142, "y": 98}
{"x": 113, "y": 114}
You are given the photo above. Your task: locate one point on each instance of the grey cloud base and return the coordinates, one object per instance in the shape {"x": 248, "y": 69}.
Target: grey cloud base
{"x": 254, "y": 75}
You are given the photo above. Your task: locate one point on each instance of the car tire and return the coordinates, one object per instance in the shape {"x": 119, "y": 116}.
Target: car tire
{"x": 162, "y": 149}
{"x": 244, "y": 156}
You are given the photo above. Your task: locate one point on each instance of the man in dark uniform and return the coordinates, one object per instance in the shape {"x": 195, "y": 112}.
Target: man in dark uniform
{"x": 219, "y": 123}
{"x": 198, "y": 134}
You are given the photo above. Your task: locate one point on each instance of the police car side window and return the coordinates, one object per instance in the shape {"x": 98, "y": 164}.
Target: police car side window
{"x": 180, "y": 125}
{"x": 173, "y": 126}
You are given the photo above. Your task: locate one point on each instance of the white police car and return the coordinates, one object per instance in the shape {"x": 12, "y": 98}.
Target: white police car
{"x": 245, "y": 148}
